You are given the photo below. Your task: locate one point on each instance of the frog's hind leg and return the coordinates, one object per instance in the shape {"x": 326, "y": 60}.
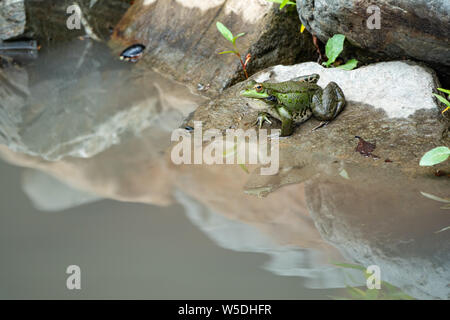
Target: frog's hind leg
{"x": 326, "y": 104}
{"x": 312, "y": 78}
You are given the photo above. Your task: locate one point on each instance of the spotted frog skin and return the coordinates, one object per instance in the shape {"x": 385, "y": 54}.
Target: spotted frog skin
{"x": 295, "y": 101}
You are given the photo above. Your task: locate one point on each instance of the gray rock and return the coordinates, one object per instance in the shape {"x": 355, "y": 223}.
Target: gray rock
{"x": 12, "y": 18}
{"x": 14, "y": 93}
{"x": 390, "y": 103}
{"x": 47, "y": 20}
{"x": 409, "y": 28}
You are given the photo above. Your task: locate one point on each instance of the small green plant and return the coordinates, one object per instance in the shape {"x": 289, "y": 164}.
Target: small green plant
{"x": 283, "y": 3}
{"x": 442, "y": 99}
{"x": 334, "y": 47}
{"x": 227, "y": 34}
{"x": 435, "y": 156}
{"x": 387, "y": 291}
{"x": 232, "y": 152}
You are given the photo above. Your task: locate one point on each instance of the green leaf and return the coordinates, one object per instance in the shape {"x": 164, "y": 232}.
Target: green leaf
{"x": 390, "y": 288}
{"x": 238, "y": 36}
{"x": 356, "y": 293}
{"x": 286, "y": 2}
{"x": 225, "y": 52}
{"x": 224, "y": 31}
{"x": 282, "y": 3}
{"x": 344, "y": 174}
{"x": 435, "y": 156}
{"x": 442, "y": 99}
{"x": 444, "y": 90}
{"x": 339, "y": 298}
{"x": 302, "y": 28}
{"x": 243, "y": 167}
{"x": 443, "y": 229}
{"x": 435, "y": 198}
{"x": 350, "y": 266}
{"x": 350, "y": 65}
{"x": 334, "y": 47}
{"x": 372, "y": 294}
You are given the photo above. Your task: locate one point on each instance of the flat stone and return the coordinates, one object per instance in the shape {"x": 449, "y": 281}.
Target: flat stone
{"x": 388, "y": 103}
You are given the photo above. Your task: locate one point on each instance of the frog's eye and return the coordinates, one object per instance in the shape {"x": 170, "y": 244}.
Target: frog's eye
{"x": 258, "y": 87}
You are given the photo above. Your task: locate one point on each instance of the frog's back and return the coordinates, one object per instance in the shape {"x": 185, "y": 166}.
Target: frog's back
{"x": 292, "y": 87}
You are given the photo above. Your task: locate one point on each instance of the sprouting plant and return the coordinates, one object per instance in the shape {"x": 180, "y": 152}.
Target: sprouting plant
{"x": 387, "y": 291}
{"x": 442, "y": 99}
{"x": 435, "y": 156}
{"x": 231, "y": 152}
{"x": 334, "y": 47}
{"x": 283, "y": 3}
{"x": 227, "y": 34}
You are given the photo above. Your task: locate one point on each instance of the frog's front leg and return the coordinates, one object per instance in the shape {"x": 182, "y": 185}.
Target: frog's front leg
{"x": 287, "y": 123}
{"x": 278, "y": 112}
{"x": 328, "y": 103}
{"x": 272, "y": 101}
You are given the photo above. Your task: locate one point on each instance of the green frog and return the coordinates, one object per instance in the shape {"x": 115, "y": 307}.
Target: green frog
{"x": 295, "y": 101}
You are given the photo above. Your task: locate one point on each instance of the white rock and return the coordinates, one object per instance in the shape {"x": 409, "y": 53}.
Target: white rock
{"x": 399, "y": 88}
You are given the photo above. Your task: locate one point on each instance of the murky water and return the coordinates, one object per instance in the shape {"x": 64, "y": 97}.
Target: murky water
{"x": 96, "y": 188}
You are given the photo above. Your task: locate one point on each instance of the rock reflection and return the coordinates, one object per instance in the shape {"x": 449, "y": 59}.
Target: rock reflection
{"x": 89, "y": 99}
{"x": 110, "y": 138}
{"x": 50, "y": 194}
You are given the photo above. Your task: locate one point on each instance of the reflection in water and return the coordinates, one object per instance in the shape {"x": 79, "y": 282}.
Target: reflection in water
{"x": 50, "y": 194}
{"x": 104, "y": 128}
{"x": 89, "y": 99}
{"x": 286, "y": 260}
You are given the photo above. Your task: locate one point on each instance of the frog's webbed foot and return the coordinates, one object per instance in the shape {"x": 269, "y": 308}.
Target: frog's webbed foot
{"x": 262, "y": 117}
{"x": 328, "y": 103}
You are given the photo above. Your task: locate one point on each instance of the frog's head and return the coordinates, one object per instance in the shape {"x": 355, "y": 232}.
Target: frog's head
{"x": 255, "y": 90}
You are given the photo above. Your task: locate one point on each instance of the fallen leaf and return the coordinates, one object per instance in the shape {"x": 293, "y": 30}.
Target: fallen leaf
{"x": 366, "y": 148}
{"x": 344, "y": 174}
